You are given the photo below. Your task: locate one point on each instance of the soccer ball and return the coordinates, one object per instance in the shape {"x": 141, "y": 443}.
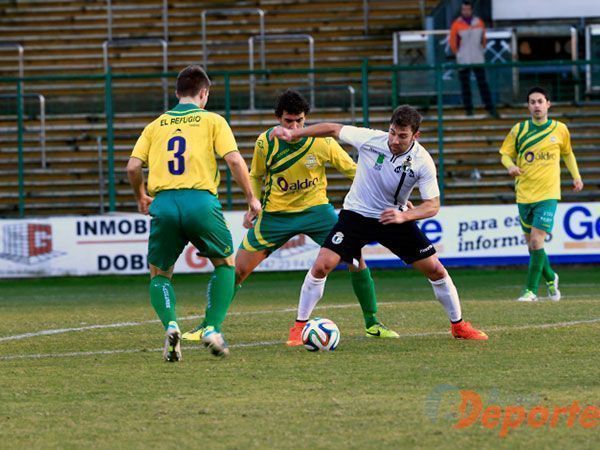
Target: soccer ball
{"x": 320, "y": 334}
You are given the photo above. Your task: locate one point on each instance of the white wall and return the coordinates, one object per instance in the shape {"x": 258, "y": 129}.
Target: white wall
{"x": 544, "y": 9}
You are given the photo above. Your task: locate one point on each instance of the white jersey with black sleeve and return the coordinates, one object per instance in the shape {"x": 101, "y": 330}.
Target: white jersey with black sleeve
{"x": 384, "y": 180}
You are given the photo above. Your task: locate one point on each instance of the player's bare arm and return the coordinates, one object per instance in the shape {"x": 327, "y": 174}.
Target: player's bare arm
{"x": 136, "y": 180}
{"x": 239, "y": 170}
{"x": 428, "y": 208}
{"x": 325, "y": 129}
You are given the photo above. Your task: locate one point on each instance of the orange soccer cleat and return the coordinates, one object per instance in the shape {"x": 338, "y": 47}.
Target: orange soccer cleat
{"x": 295, "y": 338}
{"x": 464, "y": 330}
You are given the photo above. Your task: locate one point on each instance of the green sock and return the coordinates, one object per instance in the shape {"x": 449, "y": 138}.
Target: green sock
{"x": 236, "y": 288}
{"x": 547, "y": 271}
{"x": 536, "y": 264}
{"x": 220, "y": 294}
{"x": 364, "y": 289}
{"x": 162, "y": 297}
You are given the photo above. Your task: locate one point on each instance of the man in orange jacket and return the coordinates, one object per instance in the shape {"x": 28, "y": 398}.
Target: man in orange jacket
{"x": 467, "y": 41}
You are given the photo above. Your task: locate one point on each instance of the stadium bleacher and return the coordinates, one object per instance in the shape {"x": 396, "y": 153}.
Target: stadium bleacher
{"x": 65, "y": 38}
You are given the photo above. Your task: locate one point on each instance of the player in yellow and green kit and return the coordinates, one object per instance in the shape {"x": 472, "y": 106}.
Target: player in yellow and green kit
{"x": 179, "y": 148}
{"x": 295, "y": 201}
{"x": 531, "y": 152}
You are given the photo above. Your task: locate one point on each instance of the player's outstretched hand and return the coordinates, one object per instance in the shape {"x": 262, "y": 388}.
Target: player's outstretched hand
{"x": 254, "y": 209}
{"x": 144, "y": 203}
{"x": 409, "y": 205}
{"x": 577, "y": 185}
{"x": 514, "y": 171}
{"x": 392, "y": 215}
{"x": 281, "y": 133}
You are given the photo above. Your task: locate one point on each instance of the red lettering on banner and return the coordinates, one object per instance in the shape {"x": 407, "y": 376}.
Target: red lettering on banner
{"x": 296, "y": 241}
{"x": 194, "y": 261}
{"x": 40, "y": 239}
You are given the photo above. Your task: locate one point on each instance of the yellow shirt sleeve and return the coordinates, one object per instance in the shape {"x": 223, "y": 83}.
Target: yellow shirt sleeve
{"x": 566, "y": 147}
{"x": 258, "y": 167}
{"x": 571, "y": 164}
{"x": 509, "y": 148}
{"x": 340, "y": 159}
{"x": 142, "y": 146}
{"x": 507, "y": 161}
{"x": 224, "y": 142}
{"x": 566, "y": 151}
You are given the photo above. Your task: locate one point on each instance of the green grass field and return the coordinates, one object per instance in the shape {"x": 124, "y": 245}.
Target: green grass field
{"x": 96, "y": 378}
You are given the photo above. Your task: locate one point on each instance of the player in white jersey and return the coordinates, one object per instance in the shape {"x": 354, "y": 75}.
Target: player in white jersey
{"x": 390, "y": 165}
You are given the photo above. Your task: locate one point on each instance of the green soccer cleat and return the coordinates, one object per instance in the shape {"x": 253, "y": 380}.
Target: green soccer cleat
{"x": 379, "y": 330}
{"x": 213, "y": 340}
{"x": 527, "y": 296}
{"x": 553, "y": 291}
{"x": 172, "y": 350}
{"x": 194, "y": 334}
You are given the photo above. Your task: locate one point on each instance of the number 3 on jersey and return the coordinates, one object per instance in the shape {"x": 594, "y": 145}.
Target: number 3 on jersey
{"x": 177, "y": 165}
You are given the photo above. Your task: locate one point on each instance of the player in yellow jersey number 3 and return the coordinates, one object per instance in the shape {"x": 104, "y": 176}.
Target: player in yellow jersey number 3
{"x": 531, "y": 153}
{"x": 179, "y": 150}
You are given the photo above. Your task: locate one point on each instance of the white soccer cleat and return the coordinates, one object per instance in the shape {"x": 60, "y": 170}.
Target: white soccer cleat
{"x": 527, "y": 296}
{"x": 172, "y": 350}
{"x": 214, "y": 341}
{"x": 553, "y": 291}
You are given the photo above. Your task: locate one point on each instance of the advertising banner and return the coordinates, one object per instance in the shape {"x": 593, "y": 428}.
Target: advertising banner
{"x": 117, "y": 244}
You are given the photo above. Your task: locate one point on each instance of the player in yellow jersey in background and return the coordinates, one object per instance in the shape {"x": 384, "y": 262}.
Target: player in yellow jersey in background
{"x": 295, "y": 202}
{"x": 531, "y": 153}
{"x": 179, "y": 150}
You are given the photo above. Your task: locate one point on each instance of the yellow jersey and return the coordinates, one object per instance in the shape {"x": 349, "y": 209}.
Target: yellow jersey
{"x": 293, "y": 174}
{"x": 179, "y": 149}
{"x": 537, "y": 149}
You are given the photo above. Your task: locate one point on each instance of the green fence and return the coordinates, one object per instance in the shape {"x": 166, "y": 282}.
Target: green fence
{"x": 374, "y": 86}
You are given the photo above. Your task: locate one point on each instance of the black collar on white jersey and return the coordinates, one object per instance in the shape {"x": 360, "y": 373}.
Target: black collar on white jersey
{"x": 395, "y": 157}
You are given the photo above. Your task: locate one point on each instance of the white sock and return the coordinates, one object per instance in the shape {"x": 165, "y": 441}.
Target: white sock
{"x": 446, "y": 293}
{"x": 310, "y": 294}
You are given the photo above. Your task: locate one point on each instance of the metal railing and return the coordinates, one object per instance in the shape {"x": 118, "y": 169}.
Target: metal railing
{"x": 42, "y": 133}
{"x": 281, "y": 38}
{"x": 130, "y": 43}
{"x": 21, "y": 51}
{"x": 110, "y": 19}
{"x": 590, "y": 32}
{"x": 101, "y": 181}
{"x": 225, "y": 12}
{"x": 366, "y": 96}
{"x": 501, "y": 47}
{"x": 21, "y": 59}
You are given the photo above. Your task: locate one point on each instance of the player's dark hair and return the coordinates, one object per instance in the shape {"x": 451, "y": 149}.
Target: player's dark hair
{"x": 191, "y": 80}
{"x": 291, "y": 102}
{"x": 467, "y": 3}
{"x": 537, "y": 90}
{"x": 406, "y": 116}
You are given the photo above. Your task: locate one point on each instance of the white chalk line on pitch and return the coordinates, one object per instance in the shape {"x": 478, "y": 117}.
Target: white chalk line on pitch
{"x": 17, "y": 337}
{"x": 272, "y": 343}
{"x": 55, "y": 331}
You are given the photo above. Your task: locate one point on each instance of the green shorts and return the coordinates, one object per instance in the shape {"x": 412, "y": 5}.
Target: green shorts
{"x": 186, "y": 215}
{"x": 539, "y": 215}
{"x": 272, "y": 230}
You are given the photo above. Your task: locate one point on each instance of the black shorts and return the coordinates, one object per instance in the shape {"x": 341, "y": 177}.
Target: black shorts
{"x": 353, "y": 231}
